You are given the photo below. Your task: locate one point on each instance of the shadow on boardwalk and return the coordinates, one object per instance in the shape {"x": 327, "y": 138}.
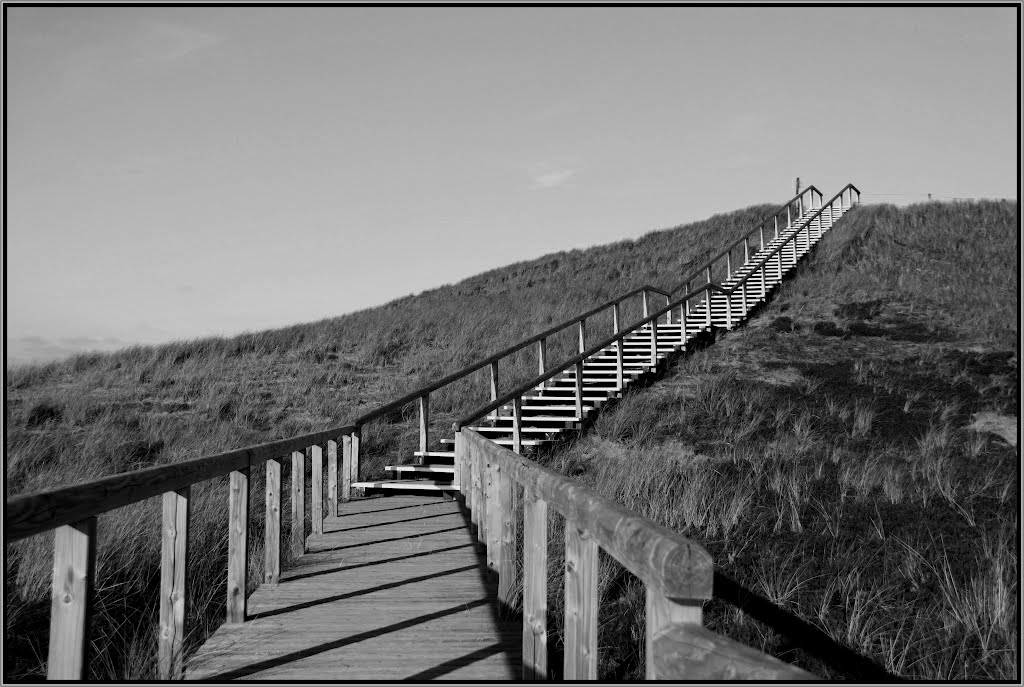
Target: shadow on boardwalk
{"x": 394, "y": 589}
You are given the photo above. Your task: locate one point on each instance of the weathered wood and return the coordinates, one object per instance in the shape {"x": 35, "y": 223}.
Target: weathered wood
{"x": 542, "y": 356}
{"x": 238, "y": 545}
{"x": 356, "y": 437}
{"x": 661, "y": 613}
{"x": 579, "y": 390}
{"x": 517, "y": 424}
{"x": 690, "y": 652}
{"x": 272, "y": 538}
{"x": 424, "y": 424}
{"x": 332, "y": 478}
{"x": 173, "y": 591}
{"x": 619, "y": 349}
{"x": 654, "y": 342}
{"x": 508, "y": 539}
{"x": 494, "y": 515}
{"x": 655, "y": 554}
{"x": 583, "y": 335}
{"x": 74, "y": 567}
{"x": 298, "y": 537}
{"x": 494, "y": 386}
{"x": 31, "y": 514}
{"x": 646, "y": 305}
{"x": 346, "y": 468}
{"x": 391, "y": 591}
{"x": 535, "y": 586}
{"x": 580, "y": 604}
{"x": 316, "y": 454}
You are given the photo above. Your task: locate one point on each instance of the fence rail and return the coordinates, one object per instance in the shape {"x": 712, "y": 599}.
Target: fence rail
{"x": 72, "y": 511}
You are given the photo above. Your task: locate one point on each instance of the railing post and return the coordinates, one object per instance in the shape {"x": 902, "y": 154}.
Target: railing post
{"x": 74, "y": 568}
{"x": 645, "y": 302}
{"x": 728, "y": 308}
{"x": 517, "y": 424}
{"x": 654, "y": 342}
{"x": 764, "y": 282}
{"x": 493, "y": 516}
{"x": 619, "y": 350}
{"x": 728, "y": 265}
{"x": 761, "y": 234}
{"x": 316, "y": 454}
{"x": 346, "y": 468}
{"x": 579, "y": 390}
{"x": 535, "y": 587}
{"x": 494, "y": 387}
{"x": 583, "y": 335}
{"x": 660, "y": 613}
{"x": 683, "y": 313}
{"x": 332, "y": 478}
{"x": 776, "y": 226}
{"x": 463, "y": 480}
{"x": 707, "y": 300}
{"x": 272, "y": 539}
{"x": 298, "y": 503}
{"x": 479, "y": 515}
{"x": 746, "y": 249}
{"x": 789, "y": 217}
{"x": 668, "y": 314}
{"x": 580, "y": 604}
{"x": 356, "y": 446}
{"x": 238, "y": 545}
{"x": 173, "y": 584}
{"x": 542, "y": 356}
{"x": 778, "y": 260}
{"x": 686, "y": 304}
{"x": 424, "y": 425}
{"x": 508, "y": 541}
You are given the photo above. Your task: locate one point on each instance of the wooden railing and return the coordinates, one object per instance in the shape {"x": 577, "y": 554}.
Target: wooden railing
{"x": 73, "y": 510}
{"x": 677, "y": 573}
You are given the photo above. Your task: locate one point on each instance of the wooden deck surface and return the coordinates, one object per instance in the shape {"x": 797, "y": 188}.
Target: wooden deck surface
{"x": 392, "y": 590}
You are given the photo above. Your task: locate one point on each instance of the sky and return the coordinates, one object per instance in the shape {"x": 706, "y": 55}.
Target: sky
{"x": 177, "y": 172}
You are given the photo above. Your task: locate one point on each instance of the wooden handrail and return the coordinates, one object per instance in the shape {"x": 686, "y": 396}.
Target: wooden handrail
{"x": 31, "y": 514}
{"x": 678, "y": 573}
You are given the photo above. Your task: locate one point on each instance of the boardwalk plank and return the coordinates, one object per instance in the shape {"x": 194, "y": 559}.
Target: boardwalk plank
{"x": 393, "y": 589}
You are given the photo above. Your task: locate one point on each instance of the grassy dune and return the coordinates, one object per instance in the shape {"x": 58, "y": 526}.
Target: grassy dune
{"x": 100, "y": 414}
{"x": 822, "y": 453}
{"x": 846, "y": 457}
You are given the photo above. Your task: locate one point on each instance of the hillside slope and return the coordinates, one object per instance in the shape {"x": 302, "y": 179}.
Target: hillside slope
{"x": 106, "y": 413}
{"x": 849, "y": 456}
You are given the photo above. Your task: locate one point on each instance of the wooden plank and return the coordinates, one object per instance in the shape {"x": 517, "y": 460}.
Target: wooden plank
{"x": 655, "y": 554}
{"x": 356, "y": 438}
{"x": 173, "y": 591}
{"x": 317, "y": 489}
{"x": 535, "y": 586}
{"x": 508, "y": 539}
{"x": 690, "y": 652}
{"x": 391, "y": 591}
{"x": 298, "y": 504}
{"x": 74, "y": 567}
{"x": 542, "y": 356}
{"x": 580, "y": 604}
{"x": 517, "y": 424}
{"x": 579, "y": 389}
{"x": 661, "y": 613}
{"x": 583, "y": 335}
{"x": 272, "y": 539}
{"x": 238, "y": 545}
{"x": 346, "y": 468}
{"x": 424, "y": 423}
{"x": 494, "y": 516}
{"x": 42, "y": 511}
{"x": 332, "y": 478}
{"x": 494, "y": 386}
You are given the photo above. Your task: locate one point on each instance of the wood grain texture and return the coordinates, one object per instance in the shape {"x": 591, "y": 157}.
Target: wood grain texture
{"x": 173, "y": 591}
{"x": 691, "y": 652}
{"x": 356, "y": 441}
{"x": 494, "y": 386}
{"x": 298, "y": 538}
{"x": 34, "y": 513}
{"x": 660, "y": 613}
{"x": 517, "y": 424}
{"x": 316, "y": 454}
{"x": 535, "y": 588}
{"x": 272, "y": 525}
{"x": 346, "y": 468}
{"x": 494, "y": 516}
{"x": 583, "y": 335}
{"x": 74, "y": 567}
{"x": 542, "y": 356}
{"x": 391, "y": 591}
{"x": 332, "y": 478}
{"x": 238, "y": 545}
{"x": 580, "y": 604}
{"x": 424, "y": 424}
{"x": 508, "y": 539}
{"x": 664, "y": 559}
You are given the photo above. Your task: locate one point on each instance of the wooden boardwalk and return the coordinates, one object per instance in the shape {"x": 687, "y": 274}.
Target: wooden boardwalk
{"x": 394, "y": 589}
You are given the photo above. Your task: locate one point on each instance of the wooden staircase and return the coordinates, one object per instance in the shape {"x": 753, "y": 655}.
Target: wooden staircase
{"x": 560, "y": 404}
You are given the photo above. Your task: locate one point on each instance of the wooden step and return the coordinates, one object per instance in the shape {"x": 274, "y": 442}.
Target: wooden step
{"x": 423, "y": 469}
{"x": 406, "y": 484}
{"x": 434, "y": 454}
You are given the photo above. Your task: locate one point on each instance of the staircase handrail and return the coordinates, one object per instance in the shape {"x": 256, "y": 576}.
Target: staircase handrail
{"x": 575, "y": 360}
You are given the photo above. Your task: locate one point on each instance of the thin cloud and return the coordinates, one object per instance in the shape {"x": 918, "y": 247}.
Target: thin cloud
{"x": 553, "y": 179}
